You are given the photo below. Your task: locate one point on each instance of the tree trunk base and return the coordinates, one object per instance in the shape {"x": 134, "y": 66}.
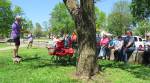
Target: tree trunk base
{"x": 85, "y": 76}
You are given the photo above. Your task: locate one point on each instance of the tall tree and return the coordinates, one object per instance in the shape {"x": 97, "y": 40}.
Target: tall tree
{"x": 140, "y": 9}
{"x": 61, "y": 20}
{"x": 141, "y": 13}
{"x": 100, "y": 18}
{"x": 142, "y": 28}
{"x": 46, "y": 28}
{"x": 38, "y": 30}
{"x": 30, "y": 25}
{"x": 18, "y": 11}
{"x": 83, "y": 15}
{"x": 6, "y": 17}
{"x": 46, "y": 25}
{"x": 120, "y": 19}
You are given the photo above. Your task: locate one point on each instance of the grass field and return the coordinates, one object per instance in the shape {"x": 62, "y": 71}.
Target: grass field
{"x": 2, "y": 45}
{"x": 37, "y": 68}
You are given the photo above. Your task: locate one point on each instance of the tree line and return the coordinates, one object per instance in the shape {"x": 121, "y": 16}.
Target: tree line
{"x": 124, "y": 16}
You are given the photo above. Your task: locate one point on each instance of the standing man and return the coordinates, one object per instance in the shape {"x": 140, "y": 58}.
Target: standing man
{"x": 128, "y": 46}
{"x": 15, "y": 35}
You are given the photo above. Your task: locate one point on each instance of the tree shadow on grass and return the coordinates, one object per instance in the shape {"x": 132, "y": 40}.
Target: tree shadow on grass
{"x": 140, "y": 71}
{"x": 35, "y": 57}
{"x": 48, "y": 63}
{"x": 41, "y": 62}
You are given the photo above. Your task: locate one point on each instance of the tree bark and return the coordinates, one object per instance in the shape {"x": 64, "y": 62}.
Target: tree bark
{"x": 84, "y": 17}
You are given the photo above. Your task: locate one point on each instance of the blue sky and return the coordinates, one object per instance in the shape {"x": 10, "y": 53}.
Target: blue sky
{"x": 39, "y": 10}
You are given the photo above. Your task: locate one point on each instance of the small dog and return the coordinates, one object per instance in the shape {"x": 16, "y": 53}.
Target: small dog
{"x": 16, "y": 60}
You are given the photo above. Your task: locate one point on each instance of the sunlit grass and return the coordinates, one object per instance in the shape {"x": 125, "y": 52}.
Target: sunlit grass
{"x": 2, "y": 45}
{"x": 37, "y": 67}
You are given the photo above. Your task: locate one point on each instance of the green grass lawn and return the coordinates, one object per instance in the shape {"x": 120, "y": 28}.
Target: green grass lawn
{"x": 38, "y": 68}
{"x": 2, "y": 45}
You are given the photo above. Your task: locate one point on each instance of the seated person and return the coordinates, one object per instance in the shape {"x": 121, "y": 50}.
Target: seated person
{"x": 118, "y": 48}
{"x": 111, "y": 47}
{"x": 129, "y": 45}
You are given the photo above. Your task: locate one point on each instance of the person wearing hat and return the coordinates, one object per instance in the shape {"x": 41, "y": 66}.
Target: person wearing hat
{"x": 15, "y": 35}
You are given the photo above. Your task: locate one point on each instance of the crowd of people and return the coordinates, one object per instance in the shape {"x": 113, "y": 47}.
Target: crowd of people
{"x": 118, "y": 48}
{"x": 108, "y": 47}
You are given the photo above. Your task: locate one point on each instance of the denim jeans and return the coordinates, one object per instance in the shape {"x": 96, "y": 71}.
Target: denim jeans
{"x": 125, "y": 53}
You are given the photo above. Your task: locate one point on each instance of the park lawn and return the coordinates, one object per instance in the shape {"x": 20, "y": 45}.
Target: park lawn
{"x": 2, "y": 45}
{"x": 117, "y": 72}
{"x": 38, "y": 68}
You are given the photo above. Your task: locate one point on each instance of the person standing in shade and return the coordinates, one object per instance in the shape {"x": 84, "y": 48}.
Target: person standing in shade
{"x": 15, "y": 35}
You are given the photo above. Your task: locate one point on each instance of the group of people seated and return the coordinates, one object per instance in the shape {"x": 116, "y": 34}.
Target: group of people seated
{"x": 118, "y": 48}
{"x": 108, "y": 47}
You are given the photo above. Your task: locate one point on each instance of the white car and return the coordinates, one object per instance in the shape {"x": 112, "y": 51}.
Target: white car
{"x": 139, "y": 43}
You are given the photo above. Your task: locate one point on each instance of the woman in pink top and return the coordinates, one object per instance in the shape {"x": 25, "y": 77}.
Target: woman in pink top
{"x": 103, "y": 43}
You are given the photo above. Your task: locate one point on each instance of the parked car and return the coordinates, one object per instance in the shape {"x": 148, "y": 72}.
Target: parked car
{"x": 139, "y": 43}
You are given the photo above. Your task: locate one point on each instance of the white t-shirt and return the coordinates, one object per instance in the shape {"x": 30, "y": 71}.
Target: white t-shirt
{"x": 30, "y": 38}
{"x": 119, "y": 45}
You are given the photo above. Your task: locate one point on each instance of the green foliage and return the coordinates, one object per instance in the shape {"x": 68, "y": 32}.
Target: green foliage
{"x": 27, "y": 24}
{"x": 61, "y": 20}
{"x": 46, "y": 28}
{"x": 120, "y": 18}
{"x": 100, "y": 18}
{"x": 6, "y": 17}
{"x": 142, "y": 28}
{"x": 38, "y": 30}
{"x": 140, "y": 9}
{"x": 18, "y": 11}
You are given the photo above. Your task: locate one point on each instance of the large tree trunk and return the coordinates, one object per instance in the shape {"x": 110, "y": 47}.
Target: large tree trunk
{"x": 84, "y": 17}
